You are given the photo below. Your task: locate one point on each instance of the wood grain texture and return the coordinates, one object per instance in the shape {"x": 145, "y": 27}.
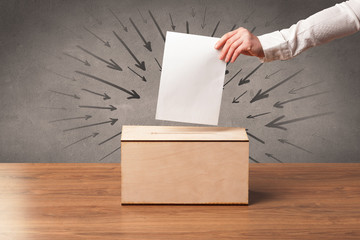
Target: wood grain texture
{"x": 82, "y": 201}
{"x": 181, "y": 133}
{"x": 185, "y": 172}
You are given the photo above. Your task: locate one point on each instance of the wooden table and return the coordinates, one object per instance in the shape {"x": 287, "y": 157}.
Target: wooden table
{"x": 82, "y": 201}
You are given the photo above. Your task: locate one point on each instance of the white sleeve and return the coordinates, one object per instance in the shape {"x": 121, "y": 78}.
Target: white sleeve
{"x": 335, "y": 22}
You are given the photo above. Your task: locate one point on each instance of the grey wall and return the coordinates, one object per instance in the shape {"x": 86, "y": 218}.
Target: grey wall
{"x": 36, "y": 34}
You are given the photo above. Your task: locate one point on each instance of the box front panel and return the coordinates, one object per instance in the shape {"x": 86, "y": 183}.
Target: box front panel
{"x": 185, "y": 172}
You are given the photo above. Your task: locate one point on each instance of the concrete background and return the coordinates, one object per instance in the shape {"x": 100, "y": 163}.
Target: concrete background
{"x": 35, "y": 74}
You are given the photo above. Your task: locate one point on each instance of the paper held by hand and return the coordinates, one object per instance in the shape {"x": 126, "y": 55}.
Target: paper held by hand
{"x": 192, "y": 80}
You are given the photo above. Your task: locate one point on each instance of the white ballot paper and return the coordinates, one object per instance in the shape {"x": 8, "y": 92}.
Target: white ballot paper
{"x": 192, "y": 79}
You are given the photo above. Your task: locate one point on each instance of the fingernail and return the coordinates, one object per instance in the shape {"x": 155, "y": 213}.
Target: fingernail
{"x": 216, "y": 45}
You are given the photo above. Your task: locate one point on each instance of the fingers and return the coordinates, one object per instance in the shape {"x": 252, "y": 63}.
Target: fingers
{"x": 237, "y": 36}
{"x": 232, "y": 49}
{"x": 243, "y": 49}
{"x": 239, "y": 41}
{"x": 227, "y": 46}
{"x": 223, "y": 39}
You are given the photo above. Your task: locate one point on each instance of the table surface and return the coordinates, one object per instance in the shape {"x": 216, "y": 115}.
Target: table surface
{"x": 82, "y": 201}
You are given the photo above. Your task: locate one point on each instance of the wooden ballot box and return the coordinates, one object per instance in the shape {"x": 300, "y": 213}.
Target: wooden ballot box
{"x": 184, "y": 165}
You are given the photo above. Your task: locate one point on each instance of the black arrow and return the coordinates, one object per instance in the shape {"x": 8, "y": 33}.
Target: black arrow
{"x": 172, "y": 23}
{"x": 112, "y": 64}
{"x": 73, "y": 79}
{"x": 272, "y": 156}
{"x": 147, "y": 45}
{"x": 187, "y": 27}
{"x": 253, "y": 30}
{"x": 257, "y": 115}
{"x": 142, "y": 17}
{"x": 132, "y": 93}
{"x": 55, "y": 108}
{"x": 271, "y": 21}
{"x": 112, "y": 122}
{"x": 203, "y": 23}
{"x": 193, "y": 12}
{"x": 276, "y": 124}
{"x": 246, "y": 80}
{"x": 91, "y": 15}
{"x": 65, "y": 94}
{"x": 142, "y": 77}
{"x": 78, "y": 59}
{"x": 139, "y": 64}
{"x": 280, "y": 104}
{"x": 247, "y": 18}
{"x": 260, "y": 95}
{"x": 254, "y": 137}
{"x": 227, "y": 71}
{"x": 92, "y": 135}
{"x": 106, "y": 43}
{"x": 322, "y": 138}
{"x": 51, "y": 54}
{"x": 216, "y": 27}
{"x": 287, "y": 142}
{"x": 60, "y": 75}
{"x": 268, "y": 76}
{"x": 253, "y": 160}
{"x": 105, "y": 96}
{"x": 86, "y": 117}
{"x": 233, "y": 28}
{"x": 111, "y": 107}
{"x": 74, "y": 33}
{"x": 232, "y": 78}
{"x": 235, "y": 100}
{"x": 110, "y": 138}
{"x": 293, "y": 91}
{"x": 157, "y": 26}
{"x": 109, "y": 154}
{"x": 158, "y": 64}
{"x": 125, "y": 28}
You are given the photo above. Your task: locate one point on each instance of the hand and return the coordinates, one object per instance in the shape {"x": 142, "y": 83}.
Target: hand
{"x": 239, "y": 41}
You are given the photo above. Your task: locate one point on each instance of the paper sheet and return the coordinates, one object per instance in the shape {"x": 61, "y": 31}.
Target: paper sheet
{"x": 192, "y": 79}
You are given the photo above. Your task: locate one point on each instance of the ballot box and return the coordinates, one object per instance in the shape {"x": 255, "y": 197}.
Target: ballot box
{"x": 184, "y": 165}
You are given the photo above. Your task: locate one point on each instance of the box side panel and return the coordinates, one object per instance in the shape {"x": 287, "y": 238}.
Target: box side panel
{"x": 185, "y": 172}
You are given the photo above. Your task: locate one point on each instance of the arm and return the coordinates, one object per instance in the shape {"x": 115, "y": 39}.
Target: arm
{"x": 334, "y": 22}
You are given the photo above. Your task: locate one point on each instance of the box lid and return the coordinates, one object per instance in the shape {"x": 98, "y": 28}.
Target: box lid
{"x": 176, "y": 133}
